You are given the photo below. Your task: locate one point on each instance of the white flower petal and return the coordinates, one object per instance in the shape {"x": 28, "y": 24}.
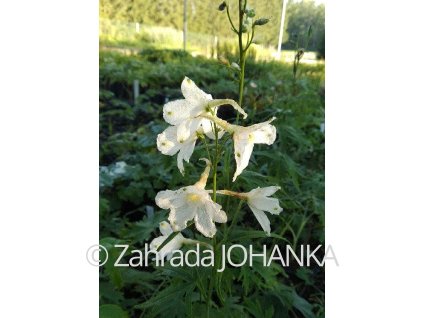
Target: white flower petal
{"x": 195, "y": 96}
{"x": 167, "y": 199}
{"x": 262, "y": 218}
{"x": 246, "y": 137}
{"x": 185, "y": 153}
{"x": 208, "y": 129}
{"x": 167, "y": 250}
{"x": 255, "y": 127}
{"x": 266, "y": 191}
{"x": 192, "y": 202}
{"x": 164, "y": 198}
{"x": 179, "y": 217}
{"x": 204, "y": 222}
{"x": 265, "y": 135}
{"x": 266, "y": 204}
{"x": 155, "y": 243}
{"x": 176, "y": 243}
{"x": 259, "y": 199}
{"x": 167, "y": 143}
{"x": 187, "y": 129}
{"x": 215, "y": 210}
{"x": 177, "y": 111}
{"x": 243, "y": 148}
{"x": 165, "y": 228}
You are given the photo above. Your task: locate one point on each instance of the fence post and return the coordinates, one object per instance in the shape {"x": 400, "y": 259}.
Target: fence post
{"x": 185, "y": 25}
{"x": 136, "y": 87}
{"x": 278, "y": 54}
{"x": 215, "y": 45}
{"x": 137, "y": 27}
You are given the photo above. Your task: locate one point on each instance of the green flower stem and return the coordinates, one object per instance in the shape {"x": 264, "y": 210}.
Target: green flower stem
{"x": 230, "y": 129}
{"x": 207, "y": 149}
{"x": 239, "y": 195}
{"x": 211, "y": 282}
{"x": 230, "y": 20}
{"x": 241, "y": 79}
{"x": 250, "y": 41}
{"x": 242, "y": 54}
{"x": 200, "y": 285}
{"x": 215, "y": 161}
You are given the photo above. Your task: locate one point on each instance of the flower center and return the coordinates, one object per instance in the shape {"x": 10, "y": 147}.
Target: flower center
{"x": 192, "y": 197}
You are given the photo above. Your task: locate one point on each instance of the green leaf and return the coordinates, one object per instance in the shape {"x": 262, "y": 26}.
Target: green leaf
{"x": 241, "y": 235}
{"x": 141, "y": 231}
{"x": 302, "y": 305}
{"x": 112, "y": 311}
{"x": 113, "y": 272}
{"x": 165, "y": 297}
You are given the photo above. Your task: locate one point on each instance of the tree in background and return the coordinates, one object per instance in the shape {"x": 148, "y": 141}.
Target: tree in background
{"x": 302, "y": 15}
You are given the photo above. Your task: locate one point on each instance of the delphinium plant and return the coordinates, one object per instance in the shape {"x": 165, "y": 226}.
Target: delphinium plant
{"x": 194, "y": 120}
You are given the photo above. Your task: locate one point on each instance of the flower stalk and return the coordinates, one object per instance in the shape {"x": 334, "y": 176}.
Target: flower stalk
{"x": 242, "y": 53}
{"x": 195, "y": 118}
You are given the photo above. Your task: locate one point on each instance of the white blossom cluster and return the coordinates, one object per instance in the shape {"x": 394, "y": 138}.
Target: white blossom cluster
{"x": 190, "y": 118}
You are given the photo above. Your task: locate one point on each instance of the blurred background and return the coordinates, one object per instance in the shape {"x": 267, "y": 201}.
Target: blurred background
{"x": 135, "y": 24}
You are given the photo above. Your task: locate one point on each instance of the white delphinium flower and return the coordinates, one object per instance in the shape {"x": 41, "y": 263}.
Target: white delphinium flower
{"x": 184, "y": 113}
{"x": 185, "y": 117}
{"x": 258, "y": 200}
{"x": 168, "y": 144}
{"x": 192, "y": 202}
{"x": 246, "y": 137}
{"x": 173, "y": 245}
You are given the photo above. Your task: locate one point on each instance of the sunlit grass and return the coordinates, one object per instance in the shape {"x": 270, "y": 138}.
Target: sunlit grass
{"x": 126, "y": 36}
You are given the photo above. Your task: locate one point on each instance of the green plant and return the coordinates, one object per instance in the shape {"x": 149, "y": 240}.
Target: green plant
{"x": 133, "y": 172}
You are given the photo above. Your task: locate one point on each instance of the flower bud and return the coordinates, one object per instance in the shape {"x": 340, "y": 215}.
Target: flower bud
{"x": 222, "y": 6}
{"x": 299, "y": 54}
{"x": 261, "y": 21}
{"x": 251, "y": 13}
{"x": 235, "y": 66}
